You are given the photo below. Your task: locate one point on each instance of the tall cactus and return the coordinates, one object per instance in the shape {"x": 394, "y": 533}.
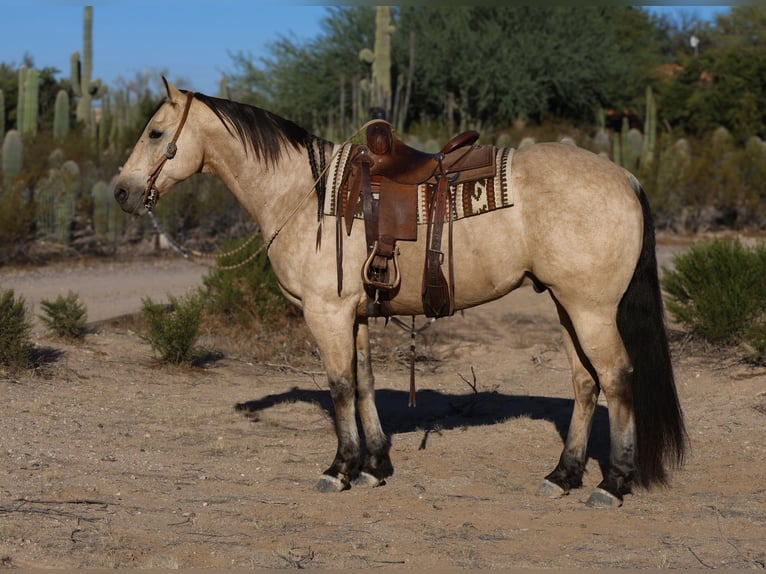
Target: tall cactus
{"x": 601, "y": 141}
{"x": 56, "y": 200}
{"x": 66, "y": 200}
{"x": 61, "y": 116}
{"x": 627, "y": 146}
{"x": 31, "y": 101}
{"x": 631, "y": 149}
{"x": 223, "y": 88}
{"x": 380, "y": 60}
{"x": 22, "y": 80}
{"x": 120, "y": 101}
{"x": 650, "y": 131}
{"x": 2, "y": 113}
{"x": 102, "y": 206}
{"x": 27, "y": 102}
{"x": 674, "y": 162}
{"x": 83, "y": 85}
{"x": 13, "y": 157}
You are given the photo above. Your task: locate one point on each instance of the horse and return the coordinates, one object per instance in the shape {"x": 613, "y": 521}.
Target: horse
{"x": 580, "y": 228}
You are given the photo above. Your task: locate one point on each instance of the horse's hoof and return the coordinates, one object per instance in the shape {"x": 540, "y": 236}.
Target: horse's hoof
{"x": 550, "y": 489}
{"x": 600, "y": 498}
{"x": 327, "y": 483}
{"x": 368, "y": 480}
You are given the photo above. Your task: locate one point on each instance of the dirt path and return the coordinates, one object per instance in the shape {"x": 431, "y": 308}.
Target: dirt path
{"x": 109, "y": 460}
{"x": 107, "y": 288}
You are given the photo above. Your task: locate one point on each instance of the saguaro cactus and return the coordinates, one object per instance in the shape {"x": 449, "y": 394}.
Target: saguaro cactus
{"x": 20, "y": 98}
{"x": 66, "y": 200}
{"x": 650, "y": 130}
{"x": 102, "y": 205}
{"x": 13, "y": 157}
{"x": 223, "y": 88}
{"x": 83, "y": 86}
{"x": 61, "y": 116}
{"x": 2, "y": 113}
{"x": 380, "y": 60}
{"x": 627, "y": 146}
{"x": 31, "y": 101}
{"x": 27, "y": 102}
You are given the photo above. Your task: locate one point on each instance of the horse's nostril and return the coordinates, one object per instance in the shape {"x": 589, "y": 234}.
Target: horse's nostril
{"x": 121, "y": 195}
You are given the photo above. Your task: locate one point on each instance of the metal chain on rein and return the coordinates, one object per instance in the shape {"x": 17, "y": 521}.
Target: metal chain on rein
{"x": 194, "y": 256}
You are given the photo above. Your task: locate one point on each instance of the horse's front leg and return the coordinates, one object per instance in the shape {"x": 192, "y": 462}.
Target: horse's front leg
{"x": 377, "y": 462}
{"x": 333, "y": 330}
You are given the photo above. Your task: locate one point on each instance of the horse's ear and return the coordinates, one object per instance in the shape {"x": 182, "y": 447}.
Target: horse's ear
{"x": 174, "y": 94}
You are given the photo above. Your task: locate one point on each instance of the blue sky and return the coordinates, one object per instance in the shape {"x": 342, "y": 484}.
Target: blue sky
{"x": 192, "y": 39}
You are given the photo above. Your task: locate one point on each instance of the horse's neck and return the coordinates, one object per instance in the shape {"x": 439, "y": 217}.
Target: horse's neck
{"x": 267, "y": 191}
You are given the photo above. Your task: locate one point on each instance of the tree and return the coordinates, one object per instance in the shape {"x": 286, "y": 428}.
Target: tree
{"x": 301, "y": 81}
{"x": 503, "y": 62}
{"x": 478, "y": 65}
{"x": 724, "y": 84}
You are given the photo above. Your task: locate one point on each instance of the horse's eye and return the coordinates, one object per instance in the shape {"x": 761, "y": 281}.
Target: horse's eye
{"x": 154, "y": 134}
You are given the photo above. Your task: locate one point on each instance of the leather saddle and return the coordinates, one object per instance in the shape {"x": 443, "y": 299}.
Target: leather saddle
{"x": 384, "y": 176}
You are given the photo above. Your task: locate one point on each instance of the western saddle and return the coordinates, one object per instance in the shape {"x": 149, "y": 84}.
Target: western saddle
{"x": 384, "y": 176}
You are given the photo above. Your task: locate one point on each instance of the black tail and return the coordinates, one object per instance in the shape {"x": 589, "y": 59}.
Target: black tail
{"x": 661, "y": 438}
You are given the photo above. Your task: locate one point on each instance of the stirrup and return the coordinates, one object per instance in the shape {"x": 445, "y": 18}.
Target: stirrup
{"x": 379, "y": 284}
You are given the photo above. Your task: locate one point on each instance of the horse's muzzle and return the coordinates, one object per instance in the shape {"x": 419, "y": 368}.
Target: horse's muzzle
{"x": 128, "y": 202}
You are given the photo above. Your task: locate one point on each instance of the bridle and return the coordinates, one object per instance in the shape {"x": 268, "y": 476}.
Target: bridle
{"x": 152, "y": 194}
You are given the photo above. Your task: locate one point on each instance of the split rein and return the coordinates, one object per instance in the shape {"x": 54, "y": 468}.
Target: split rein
{"x": 152, "y": 194}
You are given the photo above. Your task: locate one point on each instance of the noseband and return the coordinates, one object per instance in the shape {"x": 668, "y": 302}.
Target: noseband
{"x": 152, "y": 194}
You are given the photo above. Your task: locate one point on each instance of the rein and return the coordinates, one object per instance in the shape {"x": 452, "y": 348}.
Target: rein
{"x": 151, "y": 195}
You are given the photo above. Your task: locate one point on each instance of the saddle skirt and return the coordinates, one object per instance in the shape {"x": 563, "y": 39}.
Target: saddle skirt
{"x": 471, "y": 197}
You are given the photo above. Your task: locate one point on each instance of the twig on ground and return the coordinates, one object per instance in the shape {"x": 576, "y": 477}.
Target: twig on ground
{"x": 689, "y": 548}
{"x": 286, "y": 367}
{"x": 473, "y": 384}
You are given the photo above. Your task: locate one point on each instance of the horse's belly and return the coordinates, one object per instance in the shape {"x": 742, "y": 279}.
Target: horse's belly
{"x": 487, "y": 257}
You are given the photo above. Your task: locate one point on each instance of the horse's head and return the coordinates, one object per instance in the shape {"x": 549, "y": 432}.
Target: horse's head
{"x": 154, "y": 167}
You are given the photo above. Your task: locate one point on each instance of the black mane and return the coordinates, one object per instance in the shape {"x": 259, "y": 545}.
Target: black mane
{"x": 267, "y": 135}
{"x": 261, "y": 131}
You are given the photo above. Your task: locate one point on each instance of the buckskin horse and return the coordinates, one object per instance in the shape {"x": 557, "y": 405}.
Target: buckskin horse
{"x": 573, "y": 224}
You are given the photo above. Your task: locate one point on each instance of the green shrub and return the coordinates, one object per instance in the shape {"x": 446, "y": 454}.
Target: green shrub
{"x": 718, "y": 290}
{"x": 15, "y": 329}
{"x": 248, "y": 292}
{"x": 172, "y": 329}
{"x": 65, "y": 317}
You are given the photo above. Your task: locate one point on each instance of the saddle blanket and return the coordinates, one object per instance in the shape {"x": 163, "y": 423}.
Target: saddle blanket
{"x": 470, "y": 198}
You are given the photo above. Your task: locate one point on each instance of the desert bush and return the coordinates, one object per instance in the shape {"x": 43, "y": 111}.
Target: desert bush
{"x": 15, "y": 329}
{"x": 718, "y": 290}
{"x": 65, "y": 316}
{"x": 246, "y": 293}
{"x": 173, "y": 329}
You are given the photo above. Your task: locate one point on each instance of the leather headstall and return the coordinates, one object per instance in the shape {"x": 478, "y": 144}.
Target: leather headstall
{"x": 152, "y": 194}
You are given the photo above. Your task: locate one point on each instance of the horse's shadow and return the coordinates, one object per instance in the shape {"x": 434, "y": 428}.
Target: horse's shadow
{"x": 437, "y": 411}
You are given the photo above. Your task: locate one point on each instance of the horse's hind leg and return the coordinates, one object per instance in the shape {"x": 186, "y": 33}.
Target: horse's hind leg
{"x": 596, "y": 336}
{"x": 571, "y": 466}
{"x": 377, "y": 462}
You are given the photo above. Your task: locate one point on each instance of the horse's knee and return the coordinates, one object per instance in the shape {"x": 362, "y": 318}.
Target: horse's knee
{"x": 342, "y": 389}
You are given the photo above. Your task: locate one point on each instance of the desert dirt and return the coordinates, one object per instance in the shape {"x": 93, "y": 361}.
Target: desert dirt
{"x": 111, "y": 460}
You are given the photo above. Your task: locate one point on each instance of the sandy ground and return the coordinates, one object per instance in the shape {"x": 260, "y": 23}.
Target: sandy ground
{"x": 111, "y": 460}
